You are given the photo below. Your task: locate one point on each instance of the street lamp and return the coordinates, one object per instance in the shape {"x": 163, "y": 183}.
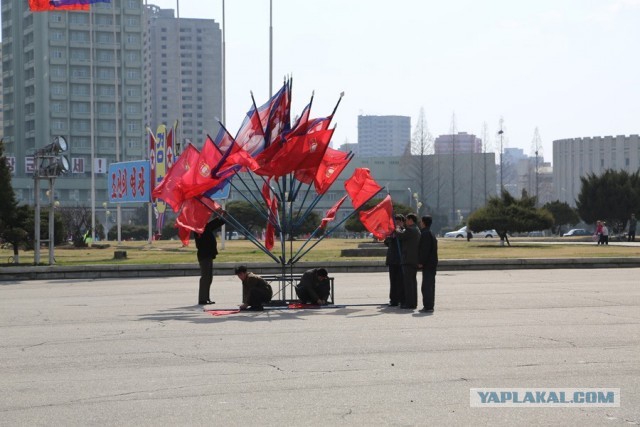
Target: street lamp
{"x": 501, "y": 133}
{"x": 50, "y": 164}
{"x": 410, "y": 194}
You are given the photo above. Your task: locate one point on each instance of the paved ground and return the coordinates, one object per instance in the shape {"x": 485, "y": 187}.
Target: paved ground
{"x": 138, "y": 352}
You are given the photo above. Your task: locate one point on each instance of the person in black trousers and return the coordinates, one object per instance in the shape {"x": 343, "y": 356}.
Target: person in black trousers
{"x": 394, "y": 263}
{"x": 409, "y": 245}
{"x": 207, "y": 246}
{"x": 428, "y": 262}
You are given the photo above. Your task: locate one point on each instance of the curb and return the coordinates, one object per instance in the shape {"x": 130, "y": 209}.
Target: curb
{"x": 110, "y": 271}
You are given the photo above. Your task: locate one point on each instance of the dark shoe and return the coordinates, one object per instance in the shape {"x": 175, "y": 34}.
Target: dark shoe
{"x": 256, "y": 308}
{"x": 207, "y": 302}
{"x": 426, "y": 310}
{"x": 408, "y": 307}
{"x": 392, "y": 304}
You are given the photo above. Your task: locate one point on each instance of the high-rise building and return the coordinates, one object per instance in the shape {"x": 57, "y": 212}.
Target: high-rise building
{"x": 76, "y": 75}
{"x": 1, "y": 101}
{"x": 383, "y": 136}
{"x": 183, "y": 74}
{"x": 459, "y": 143}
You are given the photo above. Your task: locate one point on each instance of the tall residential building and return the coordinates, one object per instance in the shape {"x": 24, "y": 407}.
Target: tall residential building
{"x": 459, "y": 143}
{"x": 183, "y": 74}
{"x": 1, "y": 101}
{"x": 576, "y": 157}
{"x": 76, "y": 75}
{"x": 383, "y": 136}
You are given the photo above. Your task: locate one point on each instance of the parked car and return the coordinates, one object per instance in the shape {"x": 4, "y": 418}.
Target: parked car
{"x": 576, "y": 232}
{"x": 462, "y": 233}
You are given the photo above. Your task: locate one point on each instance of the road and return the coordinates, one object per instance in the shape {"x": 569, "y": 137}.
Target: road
{"x": 139, "y": 352}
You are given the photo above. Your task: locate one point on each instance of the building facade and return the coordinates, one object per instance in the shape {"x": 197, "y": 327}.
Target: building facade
{"x": 78, "y": 75}
{"x": 576, "y": 157}
{"x": 459, "y": 143}
{"x": 183, "y": 74}
{"x": 382, "y": 136}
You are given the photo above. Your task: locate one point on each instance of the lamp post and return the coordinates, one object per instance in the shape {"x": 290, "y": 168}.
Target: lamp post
{"x": 501, "y": 133}
{"x": 410, "y": 194}
{"x": 49, "y": 165}
{"x": 418, "y": 204}
{"x": 106, "y": 221}
{"x": 537, "y": 200}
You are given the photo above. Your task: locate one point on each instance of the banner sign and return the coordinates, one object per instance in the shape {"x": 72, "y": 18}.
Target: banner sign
{"x": 77, "y": 165}
{"x": 161, "y": 162}
{"x": 221, "y": 194}
{"x": 100, "y": 165}
{"x": 129, "y": 182}
{"x": 29, "y": 165}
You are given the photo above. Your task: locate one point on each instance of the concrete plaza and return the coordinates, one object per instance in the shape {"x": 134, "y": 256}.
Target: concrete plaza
{"x": 139, "y": 352}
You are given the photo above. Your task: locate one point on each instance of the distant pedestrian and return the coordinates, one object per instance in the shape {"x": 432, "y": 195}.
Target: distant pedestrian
{"x": 598, "y": 233}
{"x": 631, "y": 237}
{"x": 428, "y": 262}
{"x": 605, "y": 234}
{"x": 410, "y": 244}
{"x": 394, "y": 263}
{"x": 207, "y": 246}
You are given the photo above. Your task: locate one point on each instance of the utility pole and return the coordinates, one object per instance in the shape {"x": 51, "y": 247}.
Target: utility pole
{"x": 453, "y": 167}
{"x": 485, "y": 142}
{"x": 501, "y": 133}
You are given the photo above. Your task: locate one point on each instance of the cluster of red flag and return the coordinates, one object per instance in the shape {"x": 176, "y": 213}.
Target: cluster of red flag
{"x": 267, "y": 145}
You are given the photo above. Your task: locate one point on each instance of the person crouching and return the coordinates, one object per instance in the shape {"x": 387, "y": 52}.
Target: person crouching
{"x": 255, "y": 290}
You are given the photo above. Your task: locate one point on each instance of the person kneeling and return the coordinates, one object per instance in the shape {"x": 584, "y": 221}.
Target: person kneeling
{"x": 314, "y": 287}
{"x": 255, "y": 290}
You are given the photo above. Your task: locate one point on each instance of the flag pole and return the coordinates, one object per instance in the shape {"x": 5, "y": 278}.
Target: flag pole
{"x": 297, "y": 257}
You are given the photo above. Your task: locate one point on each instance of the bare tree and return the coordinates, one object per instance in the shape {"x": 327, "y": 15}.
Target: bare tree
{"x": 77, "y": 221}
{"x": 415, "y": 159}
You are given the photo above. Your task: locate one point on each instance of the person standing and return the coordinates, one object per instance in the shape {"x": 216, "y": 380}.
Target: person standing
{"x": 428, "y": 262}
{"x": 632, "y": 228}
{"x": 409, "y": 245}
{"x": 598, "y": 233}
{"x": 207, "y": 246}
{"x": 314, "y": 287}
{"x": 255, "y": 290}
{"x": 605, "y": 234}
{"x": 394, "y": 264}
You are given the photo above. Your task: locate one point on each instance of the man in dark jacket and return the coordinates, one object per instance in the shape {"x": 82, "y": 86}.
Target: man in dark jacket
{"x": 409, "y": 244}
{"x": 207, "y": 251}
{"x": 255, "y": 290}
{"x": 428, "y": 262}
{"x": 314, "y": 286}
{"x": 394, "y": 263}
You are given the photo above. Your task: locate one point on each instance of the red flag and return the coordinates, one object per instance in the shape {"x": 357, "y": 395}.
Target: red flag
{"x": 195, "y": 213}
{"x": 152, "y": 158}
{"x": 184, "y": 234}
{"x": 168, "y": 190}
{"x": 301, "y": 152}
{"x": 198, "y": 179}
{"x": 361, "y": 187}
{"x": 44, "y": 5}
{"x": 238, "y": 159}
{"x": 270, "y": 233}
{"x": 331, "y": 213}
{"x": 169, "y": 152}
{"x": 266, "y": 192}
{"x": 332, "y": 165}
{"x": 379, "y": 219}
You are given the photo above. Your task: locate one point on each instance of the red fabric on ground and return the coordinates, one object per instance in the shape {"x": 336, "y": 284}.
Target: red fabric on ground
{"x": 222, "y": 312}
{"x": 301, "y": 305}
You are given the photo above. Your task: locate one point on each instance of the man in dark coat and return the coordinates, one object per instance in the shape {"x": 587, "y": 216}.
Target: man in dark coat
{"x": 428, "y": 262}
{"x": 255, "y": 290}
{"x": 314, "y": 286}
{"x": 394, "y": 263}
{"x": 207, "y": 246}
{"x": 409, "y": 244}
